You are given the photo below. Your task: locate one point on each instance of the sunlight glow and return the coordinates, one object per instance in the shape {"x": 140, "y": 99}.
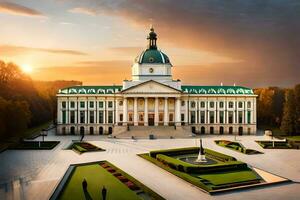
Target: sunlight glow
{"x": 26, "y": 68}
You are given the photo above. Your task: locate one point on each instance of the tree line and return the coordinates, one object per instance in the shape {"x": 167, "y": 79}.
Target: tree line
{"x": 23, "y": 102}
{"x": 279, "y": 108}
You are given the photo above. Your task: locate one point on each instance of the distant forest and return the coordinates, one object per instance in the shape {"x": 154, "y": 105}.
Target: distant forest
{"x": 25, "y": 103}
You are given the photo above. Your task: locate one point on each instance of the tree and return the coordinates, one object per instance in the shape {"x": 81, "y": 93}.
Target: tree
{"x": 297, "y": 102}
{"x": 288, "y": 124}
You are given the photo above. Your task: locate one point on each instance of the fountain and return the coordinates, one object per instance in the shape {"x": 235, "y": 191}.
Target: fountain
{"x": 201, "y": 156}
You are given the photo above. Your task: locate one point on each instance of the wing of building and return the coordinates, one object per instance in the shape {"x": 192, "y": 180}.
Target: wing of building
{"x": 153, "y": 98}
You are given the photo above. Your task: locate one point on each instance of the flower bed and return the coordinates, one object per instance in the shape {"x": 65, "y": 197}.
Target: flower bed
{"x": 83, "y": 147}
{"x": 236, "y": 146}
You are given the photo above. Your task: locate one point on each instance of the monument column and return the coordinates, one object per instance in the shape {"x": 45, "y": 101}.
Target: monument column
{"x": 166, "y": 113}
{"x": 177, "y": 112}
{"x": 125, "y": 115}
{"x": 156, "y": 118}
{"x": 135, "y": 112}
{"x": 146, "y": 111}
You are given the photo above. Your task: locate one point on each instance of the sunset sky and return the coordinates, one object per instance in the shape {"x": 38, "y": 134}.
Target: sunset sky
{"x": 248, "y": 42}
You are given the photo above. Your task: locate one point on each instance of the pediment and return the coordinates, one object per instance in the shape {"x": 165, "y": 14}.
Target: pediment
{"x": 151, "y": 87}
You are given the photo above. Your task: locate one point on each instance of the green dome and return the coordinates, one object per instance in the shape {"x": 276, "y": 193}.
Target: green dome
{"x": 152, "y": 56}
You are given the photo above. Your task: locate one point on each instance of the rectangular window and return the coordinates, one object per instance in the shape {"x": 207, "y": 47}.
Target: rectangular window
{"x": 182, "y": 117}
{"x": 249, "y": 104}
{"x": 230, "y": 104}
{"x": 130, "y": 117}
{"x": 202, "y": 117}
{"x": 121, "y": 117}
{"x": 202, "y": 104}
{"x": 110, "y": 104}
{"x": 82, "y": 104}
{"x": 92, "y": 117}
{"x": 182, "y": 103}
{"x": 211, "y": 117}
{"x": 72, "y": 117}
{"x": 221, "y": 104}
{"x": 100, "y": 104}
{"x": 240, "y": 113}
{"x": 82, "y": 117}
{"x": 221, "y": 117}
{"x": 211, "y": 104}
{"x": 171, "y": 117}
{"x": 230, "y": 117}
{"x": 141, "y": 117}
{"x": 240, "y": 104}
{"x": 193, "y": 104}
{"x": 72, "y": 104}
{"x": 249, "y": 117}
{"x": 193, "y": 119}
{"x": 110, "y": 117}
{"x": 64, "y": 117}
{"x": 101, "y": 121}
{"x": 161, "y": 117}
{"x": 91, "y": 104}
{"x": 63, "y": 104}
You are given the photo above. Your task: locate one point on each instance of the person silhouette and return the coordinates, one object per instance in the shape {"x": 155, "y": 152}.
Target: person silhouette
{"x": 84, "y": 185}
{"x": 104, "y": 191}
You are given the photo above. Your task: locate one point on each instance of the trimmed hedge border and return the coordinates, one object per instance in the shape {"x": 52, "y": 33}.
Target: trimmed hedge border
{"x": 33, "y": 145}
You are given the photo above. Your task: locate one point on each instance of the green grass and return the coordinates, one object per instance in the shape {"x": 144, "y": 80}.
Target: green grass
{"x": 96, "y": 177}
{"x": 277, "y": 144}
{"x": 293, "y": 138}
{"x": 236, "y": 146}
{"x": 34, "y": 145}
{"x": 83, "y": 147}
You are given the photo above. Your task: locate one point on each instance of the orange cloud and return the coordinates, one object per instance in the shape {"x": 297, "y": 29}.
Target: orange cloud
{"x": 16, "y": 9}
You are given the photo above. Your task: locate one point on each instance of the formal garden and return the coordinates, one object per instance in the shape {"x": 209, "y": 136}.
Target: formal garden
{"x": 236, "y": 146}
{"x": 101, "y": 180}
{"x": 214, "y": 173}
{"x": 83, "y": 147}
{"x": 34, "y": 145}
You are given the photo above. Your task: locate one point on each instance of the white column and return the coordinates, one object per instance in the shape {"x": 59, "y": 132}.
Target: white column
{"x": 156, "y": 118}
{"x": 125, "y": 115}
{"x": 196, "y": 112}
{"x": 117, "y": 112}
{"x": 186, "y": 112}
{"x": 177, "y": 112}
{"x": 146, "y": 111}
{"x": 135, "y": 112}
{"x": 166, "y": 113}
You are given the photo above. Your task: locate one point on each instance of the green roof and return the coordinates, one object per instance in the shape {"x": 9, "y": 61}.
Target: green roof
{"x": 152, "y": 56}
{"x": 91, "y": 90}
{"x": 229, "y": 90}
{"x": 206, "y": 90}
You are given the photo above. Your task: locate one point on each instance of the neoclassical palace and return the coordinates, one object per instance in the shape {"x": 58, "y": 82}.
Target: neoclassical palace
{"x": 153, "y": 98}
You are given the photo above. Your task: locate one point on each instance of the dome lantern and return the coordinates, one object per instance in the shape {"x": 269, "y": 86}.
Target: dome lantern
{"x": 152, "y": 39}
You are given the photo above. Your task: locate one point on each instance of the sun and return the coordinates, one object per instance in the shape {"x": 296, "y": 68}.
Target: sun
{"x": 26, "y": 68}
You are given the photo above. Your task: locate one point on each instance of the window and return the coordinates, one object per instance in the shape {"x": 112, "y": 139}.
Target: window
{"x": 211, "y": 104}
{"x": 211, "y": 117}
{"x": 230, "y": 104}
{"x": 64, "y": 117}
{"x": 100, "y": 104}
{"x": 240, "y": 104}
{"x": 110, "y": 117}
{"x": 72, "y": 117}
{"x": 249, "y": 104}
{"x": 141, "y": 117}
{"x": 101, "y": 119}
{"x": 221, "y": 104}
{"x": 120, "y": 103}
{"x": 92, "y": 117}
{"x": 202, "y": 104}
{"x": 221, "y": 117}
{"x": 193, "y": 104}
{"x": 121, "y": 117}
{"x": 193, "y": 119}
{"x": 249, "y": 117}
{"x": 82, "y": 117}
{"x": 72, "y": 104}
{"x": 182, "y": 103}
{"x": 240, "y": 113}
{"x": 91, "y": 104}
{"x": 202, "y": 117}
{"x": 182, "y": 117}
{"x": 130, "y": 117}
{"x": 160, "y": 117}
{"x": 82, "y": 104}
{"x": 230, "y": 117}
{"x": 171, "y": 117}
{"x": 63, "y": 104}
{"x": 110, "y": 104}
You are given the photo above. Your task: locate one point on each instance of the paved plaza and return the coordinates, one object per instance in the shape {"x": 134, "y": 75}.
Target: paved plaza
{"x": 34, "y": 174}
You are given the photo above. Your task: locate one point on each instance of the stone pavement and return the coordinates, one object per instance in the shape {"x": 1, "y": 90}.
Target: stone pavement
{"x": 29, "y": 174}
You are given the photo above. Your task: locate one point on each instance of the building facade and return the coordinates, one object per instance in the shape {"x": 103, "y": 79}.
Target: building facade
{"x": 153, "y": 98}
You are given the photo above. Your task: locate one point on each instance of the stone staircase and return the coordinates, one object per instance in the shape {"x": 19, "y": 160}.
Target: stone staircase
{"x": 140, "y": 132}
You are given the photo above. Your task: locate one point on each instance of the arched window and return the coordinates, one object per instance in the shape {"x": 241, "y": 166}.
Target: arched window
{"x": 72, "y": 130}
{"x": 100, "y": 130}
{"x": 202, "y": 130}
{"x": 92, "y": 130}
{"x": 81, "y": 130}
{"x": 230, "y": 130}
{"x": 221, "y": 130}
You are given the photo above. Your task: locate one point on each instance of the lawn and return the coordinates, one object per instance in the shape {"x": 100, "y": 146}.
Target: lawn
{"x": 274, "y": 144}
{"x": 99, "y": 174}
{"x": 293, "y": 138}
{"x": 236, "y": 146}
{"x": 83, "y": 147}
{"x": 227, "y": 173}
{"x": 35, "y": 145}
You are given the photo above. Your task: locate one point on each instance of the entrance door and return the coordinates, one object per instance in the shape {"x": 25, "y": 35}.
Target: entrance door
{"x": 151, "y": 119}
{"x": 240, "y": 130}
